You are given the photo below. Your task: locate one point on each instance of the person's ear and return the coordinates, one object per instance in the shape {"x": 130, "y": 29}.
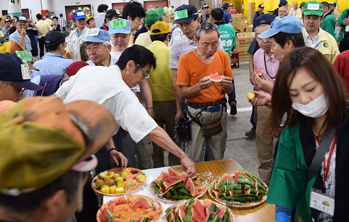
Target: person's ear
{"x": 56, "y": 203}
{"x": 198, "y": 19}
{"x": 130, "y": 65}
{"x": 289, "y": 44}
{"x": 109, "y": 48}
{"x": 129, "y": 18}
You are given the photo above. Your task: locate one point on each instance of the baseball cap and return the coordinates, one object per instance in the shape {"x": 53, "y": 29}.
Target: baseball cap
{"x": 89, "y": 17}
{"x": 313, "y": 8}
{"x": 99, "y": 36}
{"x": 79, "y": 14}
{"x": 288, "y": 24}
{"x": 283, "y": 2}
{"x": 185, "y": 13}
{"x": 159, "y": 28}
{"x": 265, "y": 19}
{"x": 42, "y": 138}
{"x": 206, "y": 6}
{"x": 47, "y": 15}
{"x": 53, "y": 38}
{"x": 151, "y": 17}
{"x": 225, "y": 5}
{"x": 122, "y": 26}
{"x": 160, "y": 11}
{"x": 75, "y": 67}
{"x": 112, "y": 13}
{"x": 302, "y": 4}
{"x": 12, "y": 71}
{"x": 333, "y": 3}
{"x": 8, "y": 20}
{"x": 260, "y": 6}
{"x": 21, "y": 18}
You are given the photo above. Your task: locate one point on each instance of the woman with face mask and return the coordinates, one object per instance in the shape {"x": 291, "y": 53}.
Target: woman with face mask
{"x": 313, "y": 185}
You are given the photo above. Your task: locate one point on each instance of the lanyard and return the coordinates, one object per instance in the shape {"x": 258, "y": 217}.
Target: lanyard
{"x": 327, "y": 168}
{"x": 266, "y": 68}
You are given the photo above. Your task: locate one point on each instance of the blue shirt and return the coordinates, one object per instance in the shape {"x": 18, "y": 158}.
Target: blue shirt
{"x": 112, "y": 62}
{"x": 51, "y": 64}
{"x": 16, "y": 37}
{"x": 226, "y": 17}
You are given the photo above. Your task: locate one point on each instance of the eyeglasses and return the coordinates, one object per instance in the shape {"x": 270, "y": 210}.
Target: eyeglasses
{"x": 146, "y": 75}
{"x": 19, "y": 90}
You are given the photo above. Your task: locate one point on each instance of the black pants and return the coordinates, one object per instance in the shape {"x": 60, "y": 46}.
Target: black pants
{"x": 42, "y": 45}
{"x": 344, "y": 44}
{"x": 90, "y": 209}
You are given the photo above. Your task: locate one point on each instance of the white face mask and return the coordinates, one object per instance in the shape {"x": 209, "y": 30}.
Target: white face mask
{"x": 316, "y": 108}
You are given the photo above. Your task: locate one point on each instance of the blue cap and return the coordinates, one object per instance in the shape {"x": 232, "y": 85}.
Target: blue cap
{"x": 120, "y": 26}
{"x": 11, "y": 71}
{"x": 265, "y": 19}
{"x": 100, "y": 37}
{"x": 79, "y": 14}
{"x": 185, "y": 13}
{"x": 288, "y": 24}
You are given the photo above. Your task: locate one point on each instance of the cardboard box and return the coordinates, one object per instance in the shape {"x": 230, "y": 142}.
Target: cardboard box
{"x": 236, "y": 16}
{"x": 244, "y": 55}
{"x": 243, "y": 40}
{"x": 240, "y": 25}
{"x": 249, "y": 28}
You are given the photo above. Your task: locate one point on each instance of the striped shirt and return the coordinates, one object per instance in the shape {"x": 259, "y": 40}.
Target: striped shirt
{"x": 62, "y": 22}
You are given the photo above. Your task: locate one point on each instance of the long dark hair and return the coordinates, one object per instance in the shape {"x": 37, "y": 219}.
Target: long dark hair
{"x": 322, "y": 70}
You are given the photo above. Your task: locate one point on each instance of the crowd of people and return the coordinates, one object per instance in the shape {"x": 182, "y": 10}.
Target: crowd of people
{"x": 121, "y": 88}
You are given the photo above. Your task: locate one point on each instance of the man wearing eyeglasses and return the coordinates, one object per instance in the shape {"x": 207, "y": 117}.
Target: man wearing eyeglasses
{"x": 110, "y": 87}
{"x": 205, "y": 96}
{"x": 13, "y": 79}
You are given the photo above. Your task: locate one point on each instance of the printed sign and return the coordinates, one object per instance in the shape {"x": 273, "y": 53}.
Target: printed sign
{"x": 182, "y": 14}
{"x": 92, "y": 32}
{"x": 119, "y": 23}
{"x": 24, "y": 55}
{"x": 25, "y": 71}
{"x": 313, "y": 6}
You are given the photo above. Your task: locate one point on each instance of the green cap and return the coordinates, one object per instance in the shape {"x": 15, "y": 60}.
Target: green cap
{"x": 151, "y": 17}
{"x": 160, "y": 11}
{"x": 41, "y": 139}
{"x": 333, "y": 3}
{"x": 313, "y": 8}
{"x": 302, "y": 4}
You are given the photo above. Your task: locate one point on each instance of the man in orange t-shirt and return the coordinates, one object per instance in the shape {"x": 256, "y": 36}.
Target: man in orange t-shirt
{"x": 206, "y": 98}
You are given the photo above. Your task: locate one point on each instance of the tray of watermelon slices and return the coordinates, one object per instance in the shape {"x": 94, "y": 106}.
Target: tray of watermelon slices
{"x": 174, "y": 186}
{"x": 130, "y": 208}
{"x": 195, "y": 210}
{"x": 241, "y": 189}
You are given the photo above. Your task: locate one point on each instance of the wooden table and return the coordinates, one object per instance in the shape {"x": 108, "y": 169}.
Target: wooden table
{"x": 264, "y": 212}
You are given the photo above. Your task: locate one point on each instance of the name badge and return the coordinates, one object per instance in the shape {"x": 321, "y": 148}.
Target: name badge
{"x": 80, "y": 13}
{"x": 321, "y": 202}
{"x": 24, "y": 55}
{"x": 92, "y": 32}
{"x": 313, "y": 6}
{"x": 118, "y": 23}
{"x": 181, "y": 14}
{"x": 25, "y": 71}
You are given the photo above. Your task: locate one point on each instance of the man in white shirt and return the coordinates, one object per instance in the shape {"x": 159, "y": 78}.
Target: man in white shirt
{"x": 99, "y": 19}
{"x": 111, "y": 88}
{"x": 78, "y": 35}
{"x": 295, "y": 11}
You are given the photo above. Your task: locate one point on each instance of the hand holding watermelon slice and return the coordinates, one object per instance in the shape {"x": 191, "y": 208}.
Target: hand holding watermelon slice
{"x": 215, "y": 77}
{"x": 259, "y": 73}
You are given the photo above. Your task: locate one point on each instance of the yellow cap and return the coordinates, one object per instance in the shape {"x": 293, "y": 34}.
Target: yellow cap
{"x": 88, "y": 17}
{"x": 159, "y": 28}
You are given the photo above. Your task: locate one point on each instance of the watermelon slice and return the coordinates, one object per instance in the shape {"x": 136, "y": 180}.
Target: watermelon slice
{"x": 215, "y": 77}
{"x": 184, "y": 177}
{"x": 224, "y": 179}
{"x": 174, "y": 180}
{"x": 191, "y": 187}
{"x": 165, "y": 176}
{"x": 143, "y": 202}
{"x": 121, "y": 200}
{"x": 173, "y": 173}
{"x": 199, "y": 208}
{"x": 258, "y": 72}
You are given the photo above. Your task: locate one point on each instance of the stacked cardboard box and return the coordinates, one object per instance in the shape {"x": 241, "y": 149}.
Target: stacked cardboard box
{"x": 238, "y": 22}
{"x": 251, "y": 11}
{"x": 243, "y": 41}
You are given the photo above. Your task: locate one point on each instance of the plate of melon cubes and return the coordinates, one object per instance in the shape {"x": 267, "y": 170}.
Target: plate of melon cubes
{"x": 119, "y": 181}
